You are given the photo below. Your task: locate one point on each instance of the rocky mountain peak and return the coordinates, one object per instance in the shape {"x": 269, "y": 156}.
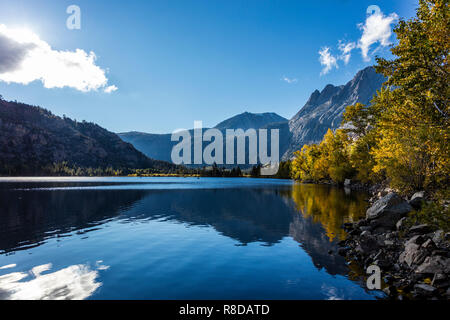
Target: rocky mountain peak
{"x": 324, "y": 109}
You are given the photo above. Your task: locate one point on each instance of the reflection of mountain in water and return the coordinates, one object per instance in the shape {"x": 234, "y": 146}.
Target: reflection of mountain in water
{"x": 28, "y": 217}
{"x": 246, "y": 215}
{"x": 311, "y": 215}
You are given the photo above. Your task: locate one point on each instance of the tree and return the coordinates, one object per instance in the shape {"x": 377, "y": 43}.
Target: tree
{"x": 334, "y": 148}
{"x": 328, "y": 160}
{"x": 413, "y": 124}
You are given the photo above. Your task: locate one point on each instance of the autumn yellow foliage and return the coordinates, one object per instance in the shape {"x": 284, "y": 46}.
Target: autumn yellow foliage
{"x": 403, "y": 136}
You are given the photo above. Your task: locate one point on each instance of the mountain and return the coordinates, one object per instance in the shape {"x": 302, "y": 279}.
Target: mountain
{"x": 32, "y": 138}
{"x": 159, "y": 146}
{"x": 249, "y": 120}
{"x": 324, "y": 108}
{"x": 156, "y": 146}
{"x": 322, "y": 111}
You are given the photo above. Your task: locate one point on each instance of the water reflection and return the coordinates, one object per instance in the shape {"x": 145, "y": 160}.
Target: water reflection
{"x": 76, "y": 282}
{"x": 309, "y": 214}
{"x": 331, "y": 207}
{"x": 27, "y": 218}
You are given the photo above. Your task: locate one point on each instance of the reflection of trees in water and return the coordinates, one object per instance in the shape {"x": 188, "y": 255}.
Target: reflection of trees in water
{"x": 329, "y": 206}
{"x": 316, "y": 244}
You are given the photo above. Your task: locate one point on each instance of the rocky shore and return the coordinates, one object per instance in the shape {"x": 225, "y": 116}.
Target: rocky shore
{"x": 414, "y": 259}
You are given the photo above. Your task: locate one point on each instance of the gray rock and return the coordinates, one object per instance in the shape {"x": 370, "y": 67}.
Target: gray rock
{"x": 392, "y": 203}
{"x": 434, "y": 265}
{"x": 418, "y": 195}
{"x": 418, "y": 239}
{"x": 365, "y": 234}
{"x": 429, "y": 245}
{"x": 391, "y": 235}
{"x": 413, "y": 254}
{"x": 365, "y": 228}
{"x": 401, "y": 224}
{"x": 438, "y": 236}
{"x": 347, "y": 182}
{"x": 389, "y": 243}
{"x": 416, "y": 199}
{"x": 425, "y": 289}
{"x": 420, "y": 229}
{"x": 387, "y": 211}
{"x": 384, "y": 192}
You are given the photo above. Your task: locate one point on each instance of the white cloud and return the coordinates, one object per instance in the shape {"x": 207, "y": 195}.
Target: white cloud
{"x": 327, "y": 60}
{"x": 376, "y": 29}
{"x": 346, "y": 49}
{"x": 289, "y": 80}
{"x": 25, "y": 58}
{"x": 110, "y": 89}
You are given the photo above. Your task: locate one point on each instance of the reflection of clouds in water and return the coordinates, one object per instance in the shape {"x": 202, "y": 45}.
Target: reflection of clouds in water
{"x": 76, "y": 282}
{"x": 100, "y": 266}
{"x": 332, "y": 292}
{"x": 9, "y": 266}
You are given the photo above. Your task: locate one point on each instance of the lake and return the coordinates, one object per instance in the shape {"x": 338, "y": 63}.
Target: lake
{"x": 175, "y": 238}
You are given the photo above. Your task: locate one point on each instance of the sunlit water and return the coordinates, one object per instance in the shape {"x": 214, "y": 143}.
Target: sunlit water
{"x": 174, "y": 238}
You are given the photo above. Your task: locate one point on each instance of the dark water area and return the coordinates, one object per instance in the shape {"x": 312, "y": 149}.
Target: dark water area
{"x": 175, "y": 238}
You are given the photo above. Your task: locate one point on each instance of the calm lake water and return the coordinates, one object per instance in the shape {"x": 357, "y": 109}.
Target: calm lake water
{"x": 175, "y": 238}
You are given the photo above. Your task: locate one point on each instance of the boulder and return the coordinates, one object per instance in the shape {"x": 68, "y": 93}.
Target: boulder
{"x": 416, "y": 199}
{"x": 384, "y": 192}
{"x": 438, "y": 236}
{"x": 419, "y": 229}
{"x": 388, "y": 210}
{"x": 434, "y": 265}
{"x": 414, "y": 254}
{"x": 425, "y": 289}
{"x": 429, "y": 245}
{"x": 419, "y": 239}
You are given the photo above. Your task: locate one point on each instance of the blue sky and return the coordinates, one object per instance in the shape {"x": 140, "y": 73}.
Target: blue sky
{"x": 176, "y": 61}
